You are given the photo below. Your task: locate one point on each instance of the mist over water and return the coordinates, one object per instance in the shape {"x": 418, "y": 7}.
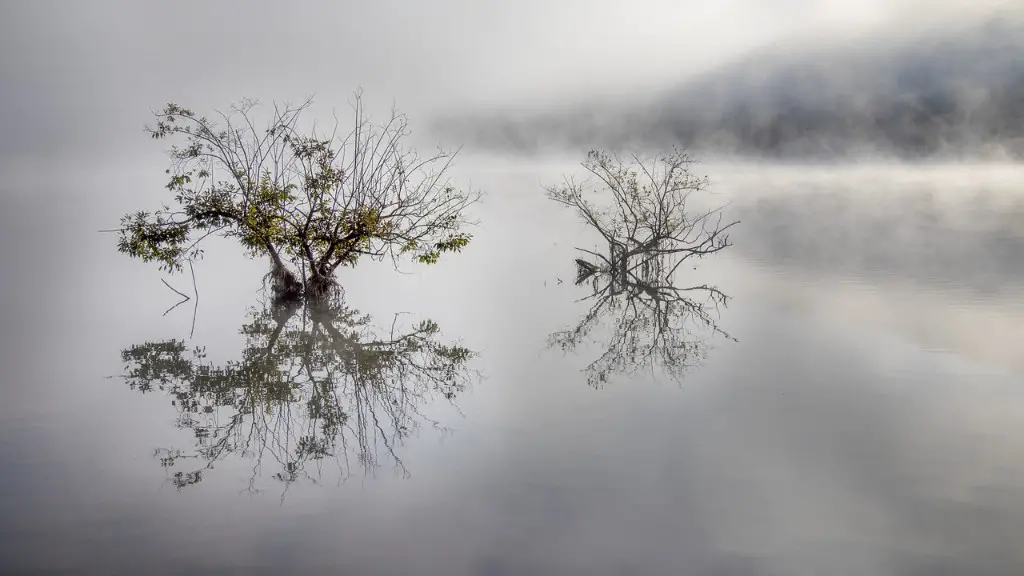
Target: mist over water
{"x": 862, "y": 415}
{"x": 945, "y": 93}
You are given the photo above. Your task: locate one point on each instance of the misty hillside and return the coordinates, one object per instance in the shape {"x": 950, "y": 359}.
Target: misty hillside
{"x": 952, "y": 95}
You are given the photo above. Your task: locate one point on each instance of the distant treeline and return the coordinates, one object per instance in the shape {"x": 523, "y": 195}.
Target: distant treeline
{"x": 952, "y": 95}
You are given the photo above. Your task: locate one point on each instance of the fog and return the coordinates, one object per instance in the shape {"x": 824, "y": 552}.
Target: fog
{"x": 937, "y": 227}
{"x": 866, "y": 419}
{"x": 913, "y": 86}
{"x": 80, "y": 79}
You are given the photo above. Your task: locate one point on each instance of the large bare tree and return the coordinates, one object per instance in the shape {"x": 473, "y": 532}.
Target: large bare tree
{"x": 310, "y": 200}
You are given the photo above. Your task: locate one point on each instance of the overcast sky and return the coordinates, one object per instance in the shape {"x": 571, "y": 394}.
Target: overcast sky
{"x": 79, "y": 78}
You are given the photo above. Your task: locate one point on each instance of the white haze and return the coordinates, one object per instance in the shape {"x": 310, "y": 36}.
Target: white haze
{"x": 79, "y": 79}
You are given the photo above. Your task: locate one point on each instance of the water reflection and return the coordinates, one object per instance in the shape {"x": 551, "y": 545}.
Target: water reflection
{"x": 313, "y": 382}
{"x": 650, "y": 322}
{"x": 972, "y": 239}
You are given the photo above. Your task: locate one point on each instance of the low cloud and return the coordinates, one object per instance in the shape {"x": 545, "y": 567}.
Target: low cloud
{"x": 940, "y": 92}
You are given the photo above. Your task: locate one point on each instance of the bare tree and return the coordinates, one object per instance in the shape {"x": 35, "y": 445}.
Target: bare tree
{"x": 640, "y": 209}
{"x": 311, "y": 201}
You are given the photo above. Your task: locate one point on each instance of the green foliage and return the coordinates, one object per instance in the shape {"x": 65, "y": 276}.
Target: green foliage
{"x": 303, "y": 199}
{"x": 152, "y": 238}
{"x": 453, "y": 243}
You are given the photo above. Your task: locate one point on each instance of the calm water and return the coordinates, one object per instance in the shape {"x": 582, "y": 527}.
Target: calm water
{"x": 868, "y": 418}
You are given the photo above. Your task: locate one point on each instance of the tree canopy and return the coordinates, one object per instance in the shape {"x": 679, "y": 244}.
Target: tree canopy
{"x": 310, "y": 200}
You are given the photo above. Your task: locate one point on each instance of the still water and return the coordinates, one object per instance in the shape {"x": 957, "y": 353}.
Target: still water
{"x": 865, "y": 414}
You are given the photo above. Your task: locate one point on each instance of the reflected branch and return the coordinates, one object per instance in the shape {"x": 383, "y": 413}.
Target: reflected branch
{"x": 312, "y": 383}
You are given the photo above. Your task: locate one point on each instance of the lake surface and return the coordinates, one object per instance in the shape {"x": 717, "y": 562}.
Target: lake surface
{"x": 868, "y": 418}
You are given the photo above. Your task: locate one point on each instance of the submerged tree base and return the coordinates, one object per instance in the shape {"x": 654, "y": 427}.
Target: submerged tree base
{"x": 288, "y": 288}
{"x": 285, "y": 286}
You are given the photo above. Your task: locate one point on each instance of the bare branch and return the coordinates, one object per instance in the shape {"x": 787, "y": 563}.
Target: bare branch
{"x": 175, "y": 290}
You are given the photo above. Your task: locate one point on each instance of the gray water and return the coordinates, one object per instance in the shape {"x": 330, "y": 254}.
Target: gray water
{"x": 865, "y": 419}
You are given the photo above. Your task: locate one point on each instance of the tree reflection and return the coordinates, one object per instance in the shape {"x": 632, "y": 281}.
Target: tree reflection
{"x": 639, "y": 208}
{"x": 313, "y": 383}
{"x": 650, "y": 322}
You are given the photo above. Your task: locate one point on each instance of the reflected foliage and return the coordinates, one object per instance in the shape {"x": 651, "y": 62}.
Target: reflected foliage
{"x": 639, "y": 208}
{"x": 313, "y": 384}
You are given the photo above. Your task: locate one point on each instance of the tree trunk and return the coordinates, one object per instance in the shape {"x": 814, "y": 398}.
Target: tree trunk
{"x": 320, "y": 283}
{"x": 317, "y": 285}
{"x": 287, "y": 288}
{"x": 618, "y": 264}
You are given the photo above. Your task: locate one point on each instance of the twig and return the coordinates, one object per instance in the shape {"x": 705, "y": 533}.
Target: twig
{"x": 168, "y": 311}
{"x": 195, "y": 309}
{"x": 176, "y": 291}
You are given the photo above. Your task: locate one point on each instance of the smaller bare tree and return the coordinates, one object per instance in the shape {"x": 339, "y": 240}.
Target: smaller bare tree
{"x": 311, "y": 201}
{"x": 639, "y": 208}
